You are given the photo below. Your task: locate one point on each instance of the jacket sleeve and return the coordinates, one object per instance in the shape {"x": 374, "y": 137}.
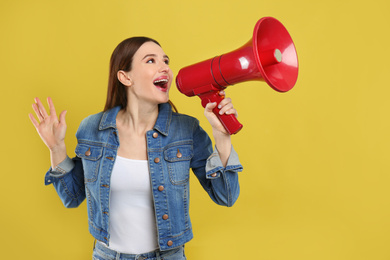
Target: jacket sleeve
{"x": 221, "y": 183}
{"x": 68, "y": 180}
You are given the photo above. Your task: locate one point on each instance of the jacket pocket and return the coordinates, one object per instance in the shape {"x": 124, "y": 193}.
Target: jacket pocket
{"x": 178, "y": 158}
{"x": 90, "y": 155}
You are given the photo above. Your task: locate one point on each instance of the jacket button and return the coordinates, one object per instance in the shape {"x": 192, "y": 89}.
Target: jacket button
{"x": 155, "y": 135}
{"x": 214, "y": 174}
{"x": 156, "y": 160}
{"x": 179, "y": 155}
{"x": 170, "y": 243}
{"x": 160, "y": 188}
{"x": 88, "y": 153}
{"x": 165, "y": 216}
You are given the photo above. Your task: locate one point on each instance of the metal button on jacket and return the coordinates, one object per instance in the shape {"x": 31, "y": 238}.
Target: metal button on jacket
{"x": 155, "y": 135}
{"x": 156, "y": 160}
{"x": 160, "y": 188}
{"x": 179, "y": 155}
{"x": 88, "y": 153}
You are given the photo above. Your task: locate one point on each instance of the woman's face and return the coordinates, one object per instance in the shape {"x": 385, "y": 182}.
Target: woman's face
{"x": 150, "y": 74}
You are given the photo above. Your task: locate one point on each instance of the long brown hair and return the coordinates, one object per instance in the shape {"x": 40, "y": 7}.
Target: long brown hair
{"x": 121, "y": 59}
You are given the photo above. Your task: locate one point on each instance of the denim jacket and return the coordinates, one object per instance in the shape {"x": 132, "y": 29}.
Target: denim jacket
{"x": 176, "y": 144}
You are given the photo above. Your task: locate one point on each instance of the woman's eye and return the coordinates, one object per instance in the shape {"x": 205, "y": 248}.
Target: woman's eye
{"x": 150, "y": 61}
{"x": 166, "y": 62}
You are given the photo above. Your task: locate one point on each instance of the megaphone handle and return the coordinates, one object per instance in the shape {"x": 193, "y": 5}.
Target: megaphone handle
{"x": 230, "y": 122}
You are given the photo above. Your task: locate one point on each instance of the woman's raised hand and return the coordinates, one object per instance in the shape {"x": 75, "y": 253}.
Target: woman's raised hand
{"x": 50, "y": 128}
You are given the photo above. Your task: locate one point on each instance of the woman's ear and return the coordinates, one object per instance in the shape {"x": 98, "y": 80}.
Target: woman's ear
{"x": 124, "y": 78}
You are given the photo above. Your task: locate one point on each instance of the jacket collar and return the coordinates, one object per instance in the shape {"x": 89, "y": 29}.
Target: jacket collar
{"x": 162, "y": 124}
{"x": 164, "y": 119}
{"x": 109, "y": 118}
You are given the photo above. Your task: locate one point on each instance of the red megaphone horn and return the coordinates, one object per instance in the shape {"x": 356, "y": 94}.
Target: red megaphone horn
{"x": 269, "y": 56}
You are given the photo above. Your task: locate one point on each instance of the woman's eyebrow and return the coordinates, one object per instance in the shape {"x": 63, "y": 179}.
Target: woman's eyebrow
{"x": 154, "y": 55}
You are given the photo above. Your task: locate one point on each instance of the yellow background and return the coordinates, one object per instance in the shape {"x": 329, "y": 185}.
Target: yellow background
{"x": 316, "y": 178}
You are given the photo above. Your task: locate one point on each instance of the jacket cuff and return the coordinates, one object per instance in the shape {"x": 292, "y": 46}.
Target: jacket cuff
{"x": 214, "y": 166}
{"x": 61, "y": 169}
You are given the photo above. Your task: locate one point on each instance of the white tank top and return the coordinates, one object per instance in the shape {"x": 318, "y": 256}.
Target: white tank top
{"x": 132, "y": 219}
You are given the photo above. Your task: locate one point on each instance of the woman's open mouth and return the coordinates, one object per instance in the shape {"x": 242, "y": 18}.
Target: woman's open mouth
{"x": 161, "y": 84}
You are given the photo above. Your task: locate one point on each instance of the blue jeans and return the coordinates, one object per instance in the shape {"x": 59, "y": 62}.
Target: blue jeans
{"x": 101, "y": 252}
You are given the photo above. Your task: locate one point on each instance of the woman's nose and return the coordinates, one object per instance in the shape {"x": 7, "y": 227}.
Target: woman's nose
{"x": 164, "y": 67}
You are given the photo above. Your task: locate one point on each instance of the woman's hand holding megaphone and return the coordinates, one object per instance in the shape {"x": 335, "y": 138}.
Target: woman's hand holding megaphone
{"x": 224, "y": 107}
{"x": 221, "y": 135}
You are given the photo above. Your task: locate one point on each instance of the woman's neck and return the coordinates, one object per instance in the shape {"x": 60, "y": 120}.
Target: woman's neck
{"x": 138, "y": 118}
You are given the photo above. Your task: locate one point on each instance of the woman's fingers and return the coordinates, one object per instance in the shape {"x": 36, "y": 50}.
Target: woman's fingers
{"x": 210, "y": 106}
{"x": 226, "y": 107}
{"x": 62, "y": 117}
{"x": 51, "y": 107}
{"x": 51, "y": 129}
{"x": 33, "y": 120}
{"x": 39, "y": 110}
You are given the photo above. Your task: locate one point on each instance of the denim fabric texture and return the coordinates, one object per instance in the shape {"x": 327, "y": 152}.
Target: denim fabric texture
{"x": 101, "y": 252}
{"x": 175, "y": 145}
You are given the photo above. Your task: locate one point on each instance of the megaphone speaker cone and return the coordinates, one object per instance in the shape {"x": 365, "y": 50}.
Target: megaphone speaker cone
{"x": 270, "y": 36}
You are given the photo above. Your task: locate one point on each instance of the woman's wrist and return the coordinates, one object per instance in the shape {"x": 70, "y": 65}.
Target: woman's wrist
{"x": 223, "y": 144}
{"x": 58, "y": 148}
{"x": 57, "y": 154}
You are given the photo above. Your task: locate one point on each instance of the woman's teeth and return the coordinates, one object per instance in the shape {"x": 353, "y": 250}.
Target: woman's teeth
{"x": 160, "y": 82}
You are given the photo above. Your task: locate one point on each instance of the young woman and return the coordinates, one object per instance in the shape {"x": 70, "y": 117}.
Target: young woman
{"x": 133, "y": 159}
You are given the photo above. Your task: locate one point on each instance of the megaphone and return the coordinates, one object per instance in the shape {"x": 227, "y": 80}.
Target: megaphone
{"x": 269, "y": 56}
